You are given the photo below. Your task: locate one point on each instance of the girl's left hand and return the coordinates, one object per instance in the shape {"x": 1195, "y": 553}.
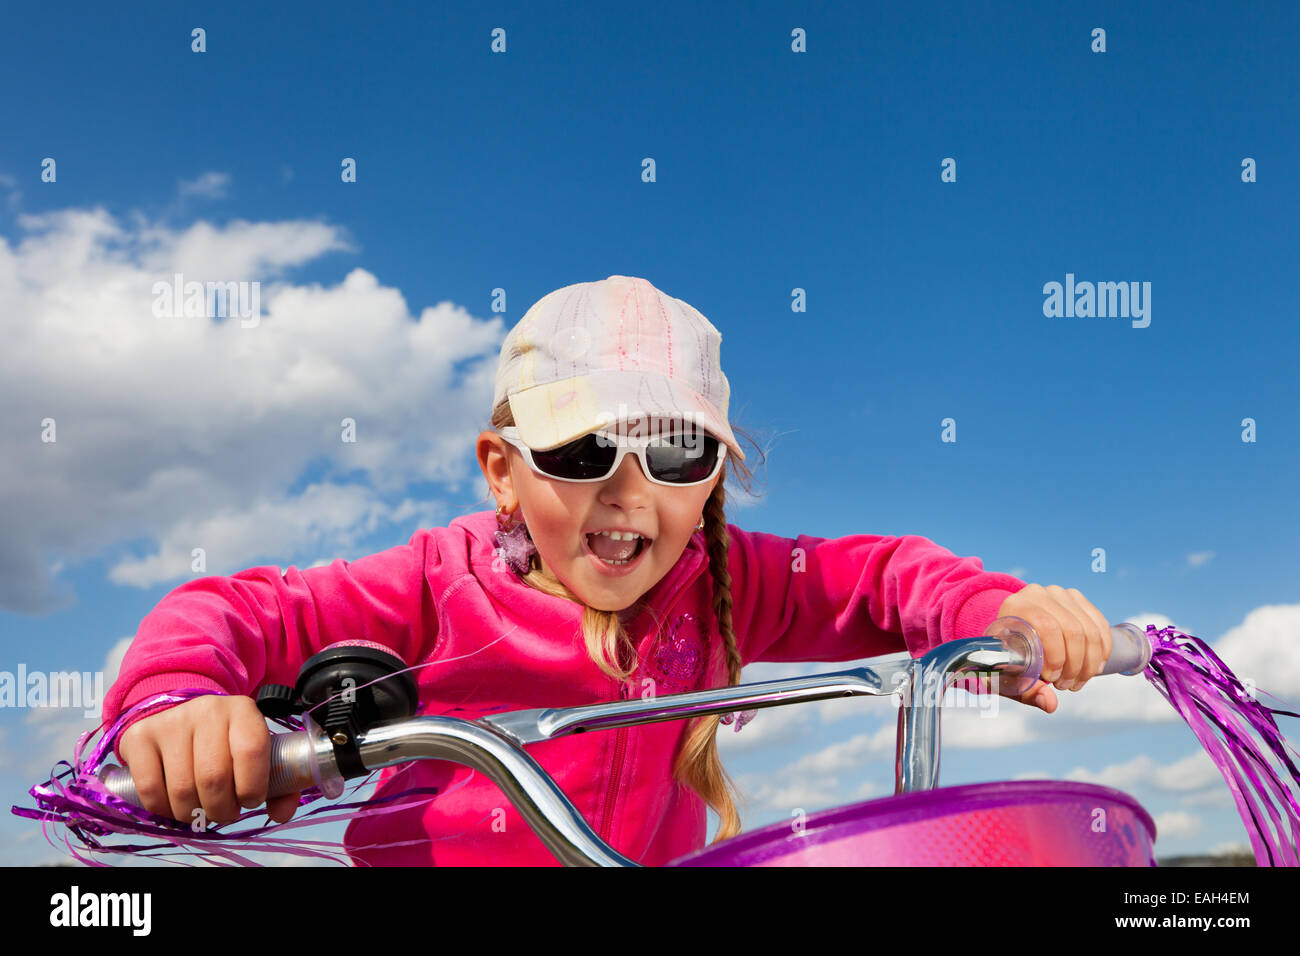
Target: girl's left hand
{"x": 1075, "y": 636}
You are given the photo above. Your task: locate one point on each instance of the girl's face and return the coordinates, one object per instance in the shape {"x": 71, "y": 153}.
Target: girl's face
{"x": 560, "y": 515}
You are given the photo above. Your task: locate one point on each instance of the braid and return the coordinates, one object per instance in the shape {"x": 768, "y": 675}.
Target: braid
{"x": 718, "y": 542}
{"x": 698, "y": 764}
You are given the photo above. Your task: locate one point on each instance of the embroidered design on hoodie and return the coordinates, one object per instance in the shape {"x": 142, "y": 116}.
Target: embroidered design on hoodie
{"x": 678, "y": 655}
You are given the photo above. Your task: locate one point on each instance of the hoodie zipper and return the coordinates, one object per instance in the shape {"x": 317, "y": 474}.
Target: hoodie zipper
{"x": 620, "y": 739}
{"x": 620, "y": 745}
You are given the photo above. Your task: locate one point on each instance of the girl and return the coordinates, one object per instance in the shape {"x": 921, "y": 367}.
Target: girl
{"x": 608, "y": 570}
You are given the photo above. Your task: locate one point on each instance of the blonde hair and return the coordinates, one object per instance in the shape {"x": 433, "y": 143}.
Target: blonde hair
{"x": 697, "y": 764}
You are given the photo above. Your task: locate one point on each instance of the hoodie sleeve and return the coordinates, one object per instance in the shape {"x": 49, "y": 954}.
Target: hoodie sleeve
{"x": 841, "y": 599}
{"x": 235, "y": 633}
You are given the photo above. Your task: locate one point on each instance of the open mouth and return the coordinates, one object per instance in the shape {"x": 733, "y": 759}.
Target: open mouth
{"x": 620, "y": 556}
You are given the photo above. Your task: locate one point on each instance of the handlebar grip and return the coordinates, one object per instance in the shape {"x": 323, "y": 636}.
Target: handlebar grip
{"x": 1020, "y": 639}
{"x": 1130, "y": 650}
{"x": 293, "y": 768}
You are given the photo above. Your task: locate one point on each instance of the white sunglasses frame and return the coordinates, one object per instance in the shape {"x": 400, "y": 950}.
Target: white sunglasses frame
{"x": 626, "y": 446}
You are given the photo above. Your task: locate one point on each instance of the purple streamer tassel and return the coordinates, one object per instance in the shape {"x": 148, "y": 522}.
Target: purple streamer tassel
{"x": 79, "y": 801}
{"x": 1210, "y": 698}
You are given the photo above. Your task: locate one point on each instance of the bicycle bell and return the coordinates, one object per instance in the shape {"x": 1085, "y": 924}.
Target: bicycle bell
{"x": 346, "y": 689}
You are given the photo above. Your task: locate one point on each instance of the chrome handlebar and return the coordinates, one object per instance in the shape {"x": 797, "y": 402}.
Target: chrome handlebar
{"x": 494, "y": 745}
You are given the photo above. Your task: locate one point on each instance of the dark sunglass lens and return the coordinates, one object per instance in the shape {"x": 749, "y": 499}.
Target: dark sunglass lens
{"x": 583, "y": 458}
{"x": 684, "y": 459}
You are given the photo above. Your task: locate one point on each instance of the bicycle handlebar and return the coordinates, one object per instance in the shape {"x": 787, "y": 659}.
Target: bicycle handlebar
{"x": 494, "y": 744}
{"x": 299, "y": 759}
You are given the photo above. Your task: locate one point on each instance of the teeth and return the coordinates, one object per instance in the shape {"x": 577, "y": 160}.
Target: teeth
{"x": 619, "y": 536}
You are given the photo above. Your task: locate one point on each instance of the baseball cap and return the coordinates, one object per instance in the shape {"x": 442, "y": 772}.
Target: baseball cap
{"x": 595, "y": 353}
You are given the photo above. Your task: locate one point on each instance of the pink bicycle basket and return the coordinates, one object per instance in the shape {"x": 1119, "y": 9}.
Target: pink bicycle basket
{"x": 1020, "y": 823}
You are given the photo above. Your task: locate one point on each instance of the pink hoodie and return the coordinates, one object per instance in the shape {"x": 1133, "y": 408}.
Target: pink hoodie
{"x": 495, "y": 644}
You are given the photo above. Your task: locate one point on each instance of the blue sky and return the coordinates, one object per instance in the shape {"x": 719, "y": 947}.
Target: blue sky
{"x": 774, "y": 170}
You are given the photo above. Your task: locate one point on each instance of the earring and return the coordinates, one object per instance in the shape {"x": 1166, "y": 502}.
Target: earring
{"x": 740, "y": 717}
{"x": 514, "y": 544}
{"x": 700, "y": 526}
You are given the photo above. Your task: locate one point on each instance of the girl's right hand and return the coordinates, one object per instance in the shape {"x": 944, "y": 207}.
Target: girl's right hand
{"x": 211, "y": 753}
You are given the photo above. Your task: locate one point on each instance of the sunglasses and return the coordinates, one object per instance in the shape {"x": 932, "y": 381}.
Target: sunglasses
{"x": 665, "y": 459}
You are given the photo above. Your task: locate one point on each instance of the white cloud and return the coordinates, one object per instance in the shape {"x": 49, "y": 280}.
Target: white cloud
{"x": 1265, "y": 649}
{"x": 971, "y": 729}
{"x": 770, "y": 727}
{"x": 1193, "y": 772}
{"x": 869, "y": 790}
{"x": 15, "y": 196}
{"x": 335, "y": 512}
{"x": 172, "y": 428}
{"x": 786, "y": 797}
{"x": 1199, "y": 559}
{"x": 1121, "y": 776}
{"x": 1219, "y": 797}
{"x": 51, "y": 732}
{"x": 1175, "y": 824}
{"x": 211, "y": 185}
{"x": 245, "y": 250}
{"x": 812, "y": 782}
{"x": 847, "y": 755}
{"x": 1114, "y": 699}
